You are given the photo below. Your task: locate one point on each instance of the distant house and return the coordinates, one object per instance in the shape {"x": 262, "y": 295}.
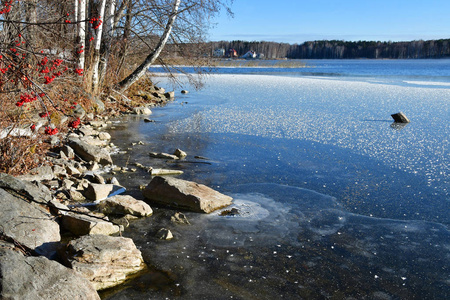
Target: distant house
{"x": 219, "y": 52}
{"x": 249, "y": 55}
{"x": 232, "y": 53}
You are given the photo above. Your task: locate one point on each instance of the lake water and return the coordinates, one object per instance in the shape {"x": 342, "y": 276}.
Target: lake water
{"x": 335, "y": 200}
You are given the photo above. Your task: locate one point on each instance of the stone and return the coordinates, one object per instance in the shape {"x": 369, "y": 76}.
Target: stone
{"x": 180, "y": 218}
{"x": 82, "y": 184}
{"x": 97, "y": 124}
{"x": 180, "y": 153}
{"x": 184, "y": 194}
{"x": 38, "y": 174}
{"x": 400, "y": 118}
{"x": 63, "y": 156}
{"x": 163, "y": 155}
{"x": 98, "y": 105}
{"x": 71, "y": 170}
{"x": 185, "y": 92}
{"x": 91, "y": 140}
{"x": 125, "y": 205}
{"x": 24, "y": 277}
{"x": 104, "y": 260}
{"x": 123, "y": 221}
{"x": 97, "y": 192}
{"x": 90, "y": 152}
{"x": 59, "y": 170}
{"x": 30, "y": 225}
{"x": 52, "y": 184}
{"x": 162, "y": 172}
{"x": 93, "y": 166}
{"x": 25, "y": 188}
{"x": 159, "y": 89}
{"x": 113, "y": 180}
{"x": 104, "y": 136}
{"x": 170, "y": 95}
{"x": 68, "y": 151}
{"x": 98, "y": 179}
{"x": 142, "y": 110}
{"x": 164, "y": 234}
{"x": 81, "y": 224}
{"x": 78, "y": 111}
{"x": 76, "y": 196}
{"x": 67, "y": 184}
{"x": 147, "y": 120}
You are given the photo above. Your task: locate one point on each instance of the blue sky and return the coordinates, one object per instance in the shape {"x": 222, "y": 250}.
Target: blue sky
{"x": 296, "y": 21}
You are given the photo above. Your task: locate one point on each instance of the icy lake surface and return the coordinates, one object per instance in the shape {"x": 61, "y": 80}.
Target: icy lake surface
{"x": 335, "y": 201}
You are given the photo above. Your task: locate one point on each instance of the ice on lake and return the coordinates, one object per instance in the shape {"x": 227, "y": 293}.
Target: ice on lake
{"x": 334, "y": 201}
{"x": 354, "y": 115}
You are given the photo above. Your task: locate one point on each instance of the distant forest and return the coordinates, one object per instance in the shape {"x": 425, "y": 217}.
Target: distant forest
{"x": 335, "y": 49}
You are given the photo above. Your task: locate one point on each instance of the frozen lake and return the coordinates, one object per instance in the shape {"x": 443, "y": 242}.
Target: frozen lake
{"x": 335, "y": 200}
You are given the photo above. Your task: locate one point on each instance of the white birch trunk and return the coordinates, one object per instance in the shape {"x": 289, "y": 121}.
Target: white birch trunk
{"x": 81, "y": 28}
{"x": 75, "y": 12}
{"x": 142, "y": 69}
{"x": 97, "y": 44}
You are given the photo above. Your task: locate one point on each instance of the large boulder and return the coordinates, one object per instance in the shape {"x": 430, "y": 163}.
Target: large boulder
{"x": 24, "y": 188}
{"x": 104, "y": 260}
{"x": 40, "y": 278}
{"x": 90, "y": 152}
{"x": 125, "y": 205}
{"x": 185, "y": 194}
{"x": 81, "y": 224}
{"x": 28, "y": 224}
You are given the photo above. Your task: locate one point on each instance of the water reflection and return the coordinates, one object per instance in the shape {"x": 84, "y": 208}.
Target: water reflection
{"x": 298, "y": 244}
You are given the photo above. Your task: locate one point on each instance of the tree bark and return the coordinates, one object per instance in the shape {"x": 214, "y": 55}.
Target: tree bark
{"x": 97, "y": 44}
{"x": 81, "y": 33}
{"x": 140, "y": 71}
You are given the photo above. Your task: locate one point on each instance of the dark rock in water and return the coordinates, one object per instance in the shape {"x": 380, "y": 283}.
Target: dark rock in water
{"x": 163, "y": 155}
{"x": 230, "y": 212}
{"x": 180, "y": 153}
{"x": 170, "y": 95}
{"x": 147, "y": 120}
{"x": 180, "y": 218}
{"x": 164, "y": 234}
{"x": 184, "y": 92}
{"x": 400, "y": 118}
{"x": 185, "y": 194}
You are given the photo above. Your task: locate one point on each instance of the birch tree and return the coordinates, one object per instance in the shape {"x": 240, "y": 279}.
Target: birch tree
{"x": 150, "y": 59}
{"x": 97, "y": 44}
{"x": 81, "y": 33}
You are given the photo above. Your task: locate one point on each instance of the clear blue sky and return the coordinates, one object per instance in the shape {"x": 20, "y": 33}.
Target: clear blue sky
{"x": 297, "y": 21}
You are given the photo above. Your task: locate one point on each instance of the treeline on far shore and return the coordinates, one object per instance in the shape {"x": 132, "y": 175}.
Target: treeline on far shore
{"x": 335, "y": 49}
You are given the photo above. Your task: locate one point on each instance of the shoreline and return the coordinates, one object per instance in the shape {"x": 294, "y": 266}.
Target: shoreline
{"x": 78, "y": 205}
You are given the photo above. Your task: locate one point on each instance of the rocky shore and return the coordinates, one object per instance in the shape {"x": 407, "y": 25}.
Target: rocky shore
{"x": 61, "y": 224}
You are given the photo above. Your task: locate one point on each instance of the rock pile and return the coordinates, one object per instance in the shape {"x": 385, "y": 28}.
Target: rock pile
{"x": 70, "y": 196}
